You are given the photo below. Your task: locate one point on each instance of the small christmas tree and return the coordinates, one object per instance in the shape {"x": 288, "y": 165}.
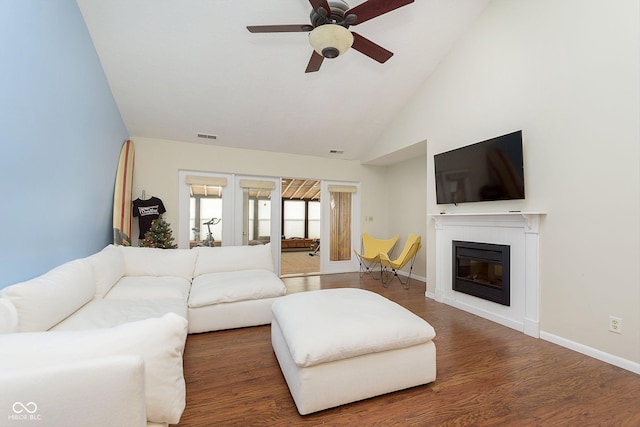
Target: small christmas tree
{"x": 159, "y": 235}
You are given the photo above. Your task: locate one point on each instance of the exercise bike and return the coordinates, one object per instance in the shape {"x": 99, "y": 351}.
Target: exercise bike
{"x": 315, "y": 247}
{"x": 210, "y": 241}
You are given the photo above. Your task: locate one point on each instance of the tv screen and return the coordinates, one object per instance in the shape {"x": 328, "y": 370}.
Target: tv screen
{"x": 489, "y": 170}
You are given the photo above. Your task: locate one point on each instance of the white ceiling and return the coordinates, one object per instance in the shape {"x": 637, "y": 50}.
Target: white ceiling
{"x": 179, "y": 68}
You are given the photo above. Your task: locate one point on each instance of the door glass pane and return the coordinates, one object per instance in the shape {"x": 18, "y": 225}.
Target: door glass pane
{"x": 205, "y": 214}
{"x": 211, "y": 221}
{"x": 251, "y": 212}
{"x": 256, "y": 228}
{"x": 264, "y": 219}
{"x": 340, "y": 226}
{"x": 194, "y": 234}
{"x": 263, "y": 227}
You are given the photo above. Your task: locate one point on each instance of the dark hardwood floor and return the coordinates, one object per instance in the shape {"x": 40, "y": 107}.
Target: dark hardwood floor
{"x": 488, "y": 375}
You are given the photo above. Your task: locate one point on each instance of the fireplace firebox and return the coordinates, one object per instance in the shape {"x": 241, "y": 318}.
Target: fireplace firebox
{"x": 482, "y": 270}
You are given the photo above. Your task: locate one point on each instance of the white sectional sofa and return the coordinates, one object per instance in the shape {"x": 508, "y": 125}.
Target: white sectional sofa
{"x": 99, "y": 340}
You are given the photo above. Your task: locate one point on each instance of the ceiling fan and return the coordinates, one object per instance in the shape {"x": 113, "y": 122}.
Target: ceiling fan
{"x": 329, "y": 32}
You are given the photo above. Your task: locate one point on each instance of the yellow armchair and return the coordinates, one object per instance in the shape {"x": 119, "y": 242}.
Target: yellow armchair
{"x": 408, "y": 255}
{"x": 371, "y": 250}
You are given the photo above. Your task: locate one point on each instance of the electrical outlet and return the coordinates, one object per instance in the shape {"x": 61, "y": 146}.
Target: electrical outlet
{"x": 615, "y": 324}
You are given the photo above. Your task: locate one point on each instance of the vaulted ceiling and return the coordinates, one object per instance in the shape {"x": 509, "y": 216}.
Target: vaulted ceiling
{"x": 182, "y": 68}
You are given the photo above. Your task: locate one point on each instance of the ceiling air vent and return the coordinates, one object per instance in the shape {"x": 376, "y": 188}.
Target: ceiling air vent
{"x": 336, "y": 151}
{"x": 206, "y": 136}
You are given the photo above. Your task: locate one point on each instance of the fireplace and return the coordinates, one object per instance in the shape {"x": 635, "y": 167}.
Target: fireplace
{"x": 519, "y": 230}
{"x": 482, "y": 270}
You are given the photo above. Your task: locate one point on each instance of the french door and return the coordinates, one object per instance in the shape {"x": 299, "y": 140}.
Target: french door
{"x": 229, "y": 210}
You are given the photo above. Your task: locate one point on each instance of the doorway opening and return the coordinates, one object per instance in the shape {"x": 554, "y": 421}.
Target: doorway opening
{"x": 300, "y": 240}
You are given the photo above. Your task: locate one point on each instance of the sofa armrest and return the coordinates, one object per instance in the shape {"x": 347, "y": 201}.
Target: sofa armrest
{"x": 160, "y": 342}
{"x": 105, "y": 391}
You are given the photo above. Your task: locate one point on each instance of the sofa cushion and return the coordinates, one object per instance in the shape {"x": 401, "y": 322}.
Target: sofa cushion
{"x": 216, "y": 288}
{"x": 108, "y": 268}
{"x": 335, "y": 324}
{"x": 159, "y": 341}
{"x": 8, "y": 317}
{"x": 46, "y": 300}
{"x": 158, "y": 262}
{"x": 149, "y": 287}
{"x": 107, "y": 313}
{"x": 233, "y": 258}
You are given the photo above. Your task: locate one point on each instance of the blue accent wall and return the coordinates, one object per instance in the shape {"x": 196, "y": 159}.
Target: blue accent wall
{"x": 60, "y": 133}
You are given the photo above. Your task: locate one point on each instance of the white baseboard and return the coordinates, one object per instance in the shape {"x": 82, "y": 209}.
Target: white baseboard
{"x": 413, "y": 276}
{"x": 592, "y": 352}
{"x": 580, "y": 348}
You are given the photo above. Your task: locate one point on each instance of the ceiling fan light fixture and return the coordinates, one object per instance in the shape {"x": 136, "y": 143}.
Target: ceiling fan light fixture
{"x": 330, "y": 40}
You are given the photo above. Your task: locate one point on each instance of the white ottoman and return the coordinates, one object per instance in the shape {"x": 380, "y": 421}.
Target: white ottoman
{"x": 338, "y": 346}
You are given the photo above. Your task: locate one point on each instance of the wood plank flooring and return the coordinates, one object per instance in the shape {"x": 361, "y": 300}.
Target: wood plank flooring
{"x": 488, "y": 375}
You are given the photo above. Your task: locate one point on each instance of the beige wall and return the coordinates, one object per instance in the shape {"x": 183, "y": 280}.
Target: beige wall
{"x": 385, "y": 196}
{"x": 157, "y": 164}
{"x": 566, "y": 73}
{"x": 407, "y": 204}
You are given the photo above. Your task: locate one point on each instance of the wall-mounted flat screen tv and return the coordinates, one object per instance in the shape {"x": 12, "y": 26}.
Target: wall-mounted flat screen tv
{"x": 485, "y": 171}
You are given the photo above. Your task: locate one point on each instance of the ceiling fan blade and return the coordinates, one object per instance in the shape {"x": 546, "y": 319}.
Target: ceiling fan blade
{"x": 316, "y": 4}
{"x": 369, "y": 48}
{"x": 314, "y": 63}
{"x": 372, "y": 8}
{"x": 295, "y": 28}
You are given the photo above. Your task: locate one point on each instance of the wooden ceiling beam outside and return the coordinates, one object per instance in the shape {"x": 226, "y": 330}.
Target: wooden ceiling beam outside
{"x": 292, "y": 189}
{"x": 312, "y": 188}
{"x": 284, "y": 191}
{"x": 298, "y": 189}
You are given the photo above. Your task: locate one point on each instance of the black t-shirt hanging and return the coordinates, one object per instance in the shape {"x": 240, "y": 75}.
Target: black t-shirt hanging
{"x": 147, "y": 211}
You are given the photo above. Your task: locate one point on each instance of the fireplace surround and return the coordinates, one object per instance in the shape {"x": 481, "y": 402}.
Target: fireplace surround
{"x": 519, "y": 231}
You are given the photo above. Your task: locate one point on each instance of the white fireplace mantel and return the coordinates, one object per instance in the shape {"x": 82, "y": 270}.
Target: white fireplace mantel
{"x": 517, "y": 229}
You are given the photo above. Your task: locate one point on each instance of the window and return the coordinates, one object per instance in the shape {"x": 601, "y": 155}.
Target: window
{"x": 294, "y": 218}
{"x": 301, "y": 219}
{"x": 313, "y": 220}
